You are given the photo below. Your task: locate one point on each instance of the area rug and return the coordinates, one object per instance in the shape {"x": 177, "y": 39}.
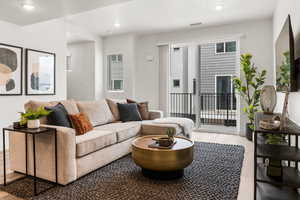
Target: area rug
{"x": 213, "y": 175}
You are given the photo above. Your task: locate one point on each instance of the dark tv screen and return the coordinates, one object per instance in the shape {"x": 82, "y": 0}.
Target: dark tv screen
{"x": 285, "y": 59}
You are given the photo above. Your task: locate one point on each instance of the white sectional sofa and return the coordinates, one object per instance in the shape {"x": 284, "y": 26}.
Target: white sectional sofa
{"x": 79, "y": 155}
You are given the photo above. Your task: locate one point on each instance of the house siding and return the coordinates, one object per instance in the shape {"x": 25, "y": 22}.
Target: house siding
{"x": 212, "y": 64}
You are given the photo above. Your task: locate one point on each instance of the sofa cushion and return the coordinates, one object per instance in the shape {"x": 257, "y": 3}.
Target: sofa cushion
{"x": 124, "y": 130}
{"x": 129, "y": 112}
{"x": 81, "y": 123}
{"x": 143, "y": 108}
{"x": 58, "y": 116}
{"x": 150, "y": 128}
{"x": 97, "y": 111}
{"x": 93, "y": 141}
{"x": 112, "y": 103}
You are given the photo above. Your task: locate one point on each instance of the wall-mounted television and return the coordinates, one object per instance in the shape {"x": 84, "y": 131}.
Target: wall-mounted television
{"x": 286, "y": 73}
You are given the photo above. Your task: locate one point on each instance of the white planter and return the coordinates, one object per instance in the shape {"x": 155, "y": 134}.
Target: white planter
{"x": 33, "y": 123}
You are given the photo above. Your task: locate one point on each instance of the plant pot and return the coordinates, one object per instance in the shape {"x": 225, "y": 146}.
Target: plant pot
{"x": 249, "y": 132}
{"x": 33, "y": 123}
{"x": 274, "y": 169}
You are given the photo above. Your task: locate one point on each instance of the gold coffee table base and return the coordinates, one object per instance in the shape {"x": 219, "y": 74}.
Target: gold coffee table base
{"x": 162, "y": 162}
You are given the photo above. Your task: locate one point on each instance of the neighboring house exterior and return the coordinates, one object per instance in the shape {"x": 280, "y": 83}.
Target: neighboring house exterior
{"x": 216, "y": 63}
{"x": 217, "y": 68}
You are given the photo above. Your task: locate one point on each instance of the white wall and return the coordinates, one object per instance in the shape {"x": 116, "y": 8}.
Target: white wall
{"x": 48, "y": 36}
{"x": 125, "y": 45}
{"x": 256, "y": 39}
{"x": 81, "y": 79}
{"x": 284, "y": 8}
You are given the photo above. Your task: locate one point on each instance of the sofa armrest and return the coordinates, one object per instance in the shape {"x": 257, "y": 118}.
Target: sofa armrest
{"x": 66, "y": 144}
{"x": 155, "y": 114}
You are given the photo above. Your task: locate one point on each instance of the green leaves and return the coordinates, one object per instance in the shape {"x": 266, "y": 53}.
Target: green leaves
{"x": 251, "y": 87}
{"x": 33, "y": 114}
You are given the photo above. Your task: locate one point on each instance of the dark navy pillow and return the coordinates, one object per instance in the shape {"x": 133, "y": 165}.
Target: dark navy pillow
{"x": 129, "y": 112}
{"x": 58, "y": 116}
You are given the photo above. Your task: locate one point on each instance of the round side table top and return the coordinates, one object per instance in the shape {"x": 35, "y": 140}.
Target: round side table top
{"x": 143, "y": 142}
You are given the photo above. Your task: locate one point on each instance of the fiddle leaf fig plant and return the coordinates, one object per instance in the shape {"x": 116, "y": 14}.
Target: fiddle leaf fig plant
{"x": 249, "y": 87}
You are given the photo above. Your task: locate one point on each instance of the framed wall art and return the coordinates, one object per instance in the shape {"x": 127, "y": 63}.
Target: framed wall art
{"x": 11, "y": 63}
{"x": 40, "y": 72}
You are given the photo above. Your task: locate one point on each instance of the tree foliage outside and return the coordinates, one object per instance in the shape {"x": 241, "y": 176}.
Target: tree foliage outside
{"x": 249, "y": 88}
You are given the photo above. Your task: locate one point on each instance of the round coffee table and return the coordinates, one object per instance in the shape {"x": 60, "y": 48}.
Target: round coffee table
{"x": 162, "y": 163}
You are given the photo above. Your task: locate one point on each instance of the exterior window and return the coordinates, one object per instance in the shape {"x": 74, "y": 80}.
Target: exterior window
{"x": 115, "y": 72}
{"x": 231, "y": 46}
{"x": 176, "y": 83}
{"x": 226, "y": 47}
{"x": 220, "y": 47}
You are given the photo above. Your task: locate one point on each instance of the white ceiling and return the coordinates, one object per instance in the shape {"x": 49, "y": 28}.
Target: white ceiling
{"x": 144, "y": 16}
{"x": 136, "y": 16}
{"x": 12, "y": 11}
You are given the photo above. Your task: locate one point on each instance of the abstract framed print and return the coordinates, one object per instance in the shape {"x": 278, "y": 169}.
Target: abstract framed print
{"x": 40, "y": 72}
{"x": 11, "y": 63}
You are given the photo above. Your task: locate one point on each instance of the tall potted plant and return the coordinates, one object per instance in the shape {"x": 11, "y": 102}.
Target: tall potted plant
{"x": 249, "y": 88}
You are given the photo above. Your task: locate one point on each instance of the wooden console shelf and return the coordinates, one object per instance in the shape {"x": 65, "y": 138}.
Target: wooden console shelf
{"x": 265, "y": 187}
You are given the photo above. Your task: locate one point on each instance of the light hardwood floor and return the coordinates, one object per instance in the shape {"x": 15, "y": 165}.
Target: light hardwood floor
{"x": 246, "y": 185}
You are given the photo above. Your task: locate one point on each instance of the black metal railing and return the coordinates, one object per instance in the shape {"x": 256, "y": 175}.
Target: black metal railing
{"x": 218, "y": 108}
{"x": 182, "y": 105}
{"x": 215, "y": 108}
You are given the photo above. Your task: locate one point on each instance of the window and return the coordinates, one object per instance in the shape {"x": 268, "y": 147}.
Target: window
{"x": 115, "y": 72}
{"x": 220, "y": 47}
{"x": 225, "y": 47}
{"x": 230, "y": 46}
{"x": 176, "y": 83}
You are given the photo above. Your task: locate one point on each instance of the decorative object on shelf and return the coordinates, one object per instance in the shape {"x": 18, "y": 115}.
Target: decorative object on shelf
{"x": 40, "y": 72}
{"x": 17, "y": 125}
{"x": 268, "y": 99}
{"x": 274, "y": 169}
{"x": 31, "y": 117}
{"x": 284, "y": 110}
{"x": 270, "y": 124}
{"x": 11, "y": 61}
{"x": 250, "y": 90}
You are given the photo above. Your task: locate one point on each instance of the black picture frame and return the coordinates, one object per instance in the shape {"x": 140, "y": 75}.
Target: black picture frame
{"x": 20, "y": 93}
{"x": 27, "y": 82}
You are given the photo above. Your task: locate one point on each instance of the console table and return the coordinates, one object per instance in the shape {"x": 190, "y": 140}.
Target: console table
{"x": 33, "y": 132}
{"x": 265, "y": 187}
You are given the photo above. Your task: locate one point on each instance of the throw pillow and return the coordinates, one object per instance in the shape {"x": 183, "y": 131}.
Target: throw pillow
{"x": 129, "y": 112}
{"x": 97, "y": 111}
{"x": 143, "y": 109}
{"x": 112, "y": 103}
{"x": 81, "y": 123}
{"x": 58, "y": 116}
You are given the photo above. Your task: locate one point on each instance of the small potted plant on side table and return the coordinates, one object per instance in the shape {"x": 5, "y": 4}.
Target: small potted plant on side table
{"x": 32, "y": 117}
{"x": 250, "y": 90}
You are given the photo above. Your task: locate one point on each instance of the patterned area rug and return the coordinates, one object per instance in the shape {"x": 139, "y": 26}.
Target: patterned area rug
{"x": 213, "y": 175}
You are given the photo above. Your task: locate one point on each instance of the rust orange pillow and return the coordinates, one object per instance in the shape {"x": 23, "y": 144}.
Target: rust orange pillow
{"x": 81, "y": 123}
{"x": 143, "y": 109}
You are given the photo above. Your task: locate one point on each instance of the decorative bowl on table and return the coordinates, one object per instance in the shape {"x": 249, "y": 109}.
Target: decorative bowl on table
{"x": 269, "y": 124}
{"x": 164, "y": 141}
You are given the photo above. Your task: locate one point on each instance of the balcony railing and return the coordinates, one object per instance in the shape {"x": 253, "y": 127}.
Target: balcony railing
{"x": 214, "y": 108}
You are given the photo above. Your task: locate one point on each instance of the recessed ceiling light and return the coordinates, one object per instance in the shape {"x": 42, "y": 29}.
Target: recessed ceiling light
{"x": 28, "y": 6}
{"x": 219, "y": 7}
{"x": 117, "y": 25}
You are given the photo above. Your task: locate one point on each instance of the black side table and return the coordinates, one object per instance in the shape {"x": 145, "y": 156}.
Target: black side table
{"x": 32, "y": 132}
